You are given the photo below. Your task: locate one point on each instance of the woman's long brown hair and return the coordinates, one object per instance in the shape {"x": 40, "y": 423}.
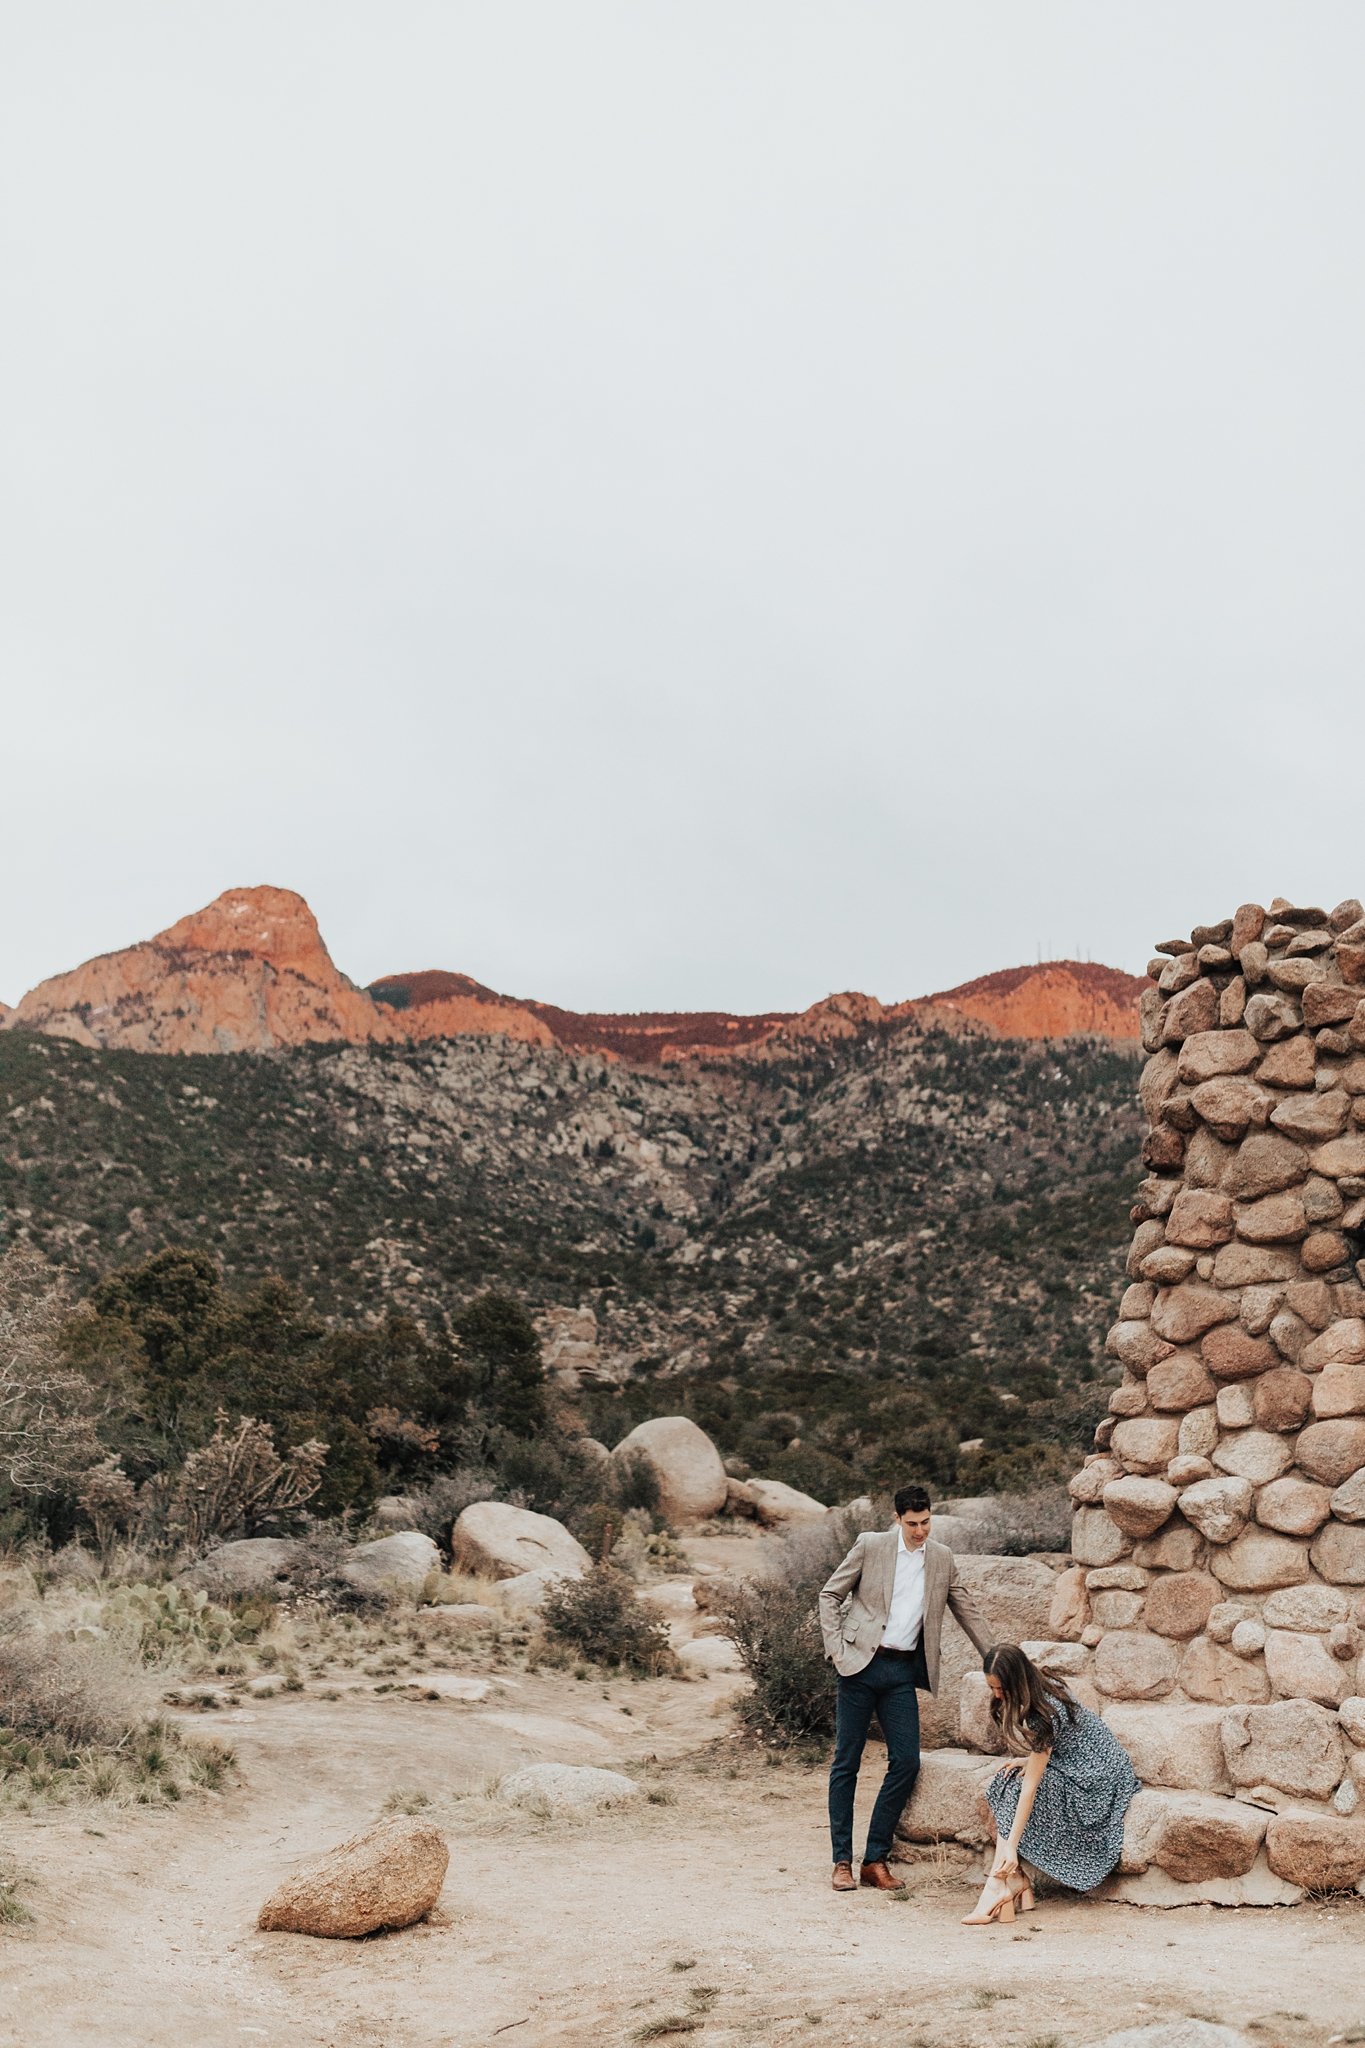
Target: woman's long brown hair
{"x": 1027, "y": 1714}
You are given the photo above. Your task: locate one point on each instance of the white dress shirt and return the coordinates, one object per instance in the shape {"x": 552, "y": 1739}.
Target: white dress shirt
{"x": 904, "y": 1622}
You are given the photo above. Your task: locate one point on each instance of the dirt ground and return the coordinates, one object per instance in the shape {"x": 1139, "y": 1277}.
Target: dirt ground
{"x": 709, "y": 1905}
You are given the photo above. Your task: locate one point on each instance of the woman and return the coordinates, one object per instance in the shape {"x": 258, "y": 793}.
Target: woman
{"x": 1062, "y": 1805}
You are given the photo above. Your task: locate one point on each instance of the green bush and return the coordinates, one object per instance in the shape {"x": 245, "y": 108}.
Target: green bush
{"x": 601, "y": 1617}
{"x": 775, "y": 1625}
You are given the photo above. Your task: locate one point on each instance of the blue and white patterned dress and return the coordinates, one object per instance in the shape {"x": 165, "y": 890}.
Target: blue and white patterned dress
{"x": 1075, "y": 1831}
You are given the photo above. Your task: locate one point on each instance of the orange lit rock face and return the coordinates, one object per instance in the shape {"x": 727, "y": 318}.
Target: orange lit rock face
{"x": 250, "y": 972}
{"x": 1059, "y": 999}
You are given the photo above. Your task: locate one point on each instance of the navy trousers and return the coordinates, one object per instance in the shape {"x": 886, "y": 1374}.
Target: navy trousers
{"x": 888, "y": 1688}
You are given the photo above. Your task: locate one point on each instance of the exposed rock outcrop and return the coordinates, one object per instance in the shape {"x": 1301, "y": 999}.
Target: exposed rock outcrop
{"x": 250, "y": 972}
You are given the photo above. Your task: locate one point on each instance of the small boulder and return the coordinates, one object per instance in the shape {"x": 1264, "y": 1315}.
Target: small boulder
{"x": 1183, "y": 2033}
{"x": 503, "y": 1542}
{"x": 551, "y": 1789}
{"x": 779, "y": 1504}
{"x": 685, "y": 1463}
{"x": 947, "y": 1803}
{"x": 1322, "y": 1852}
{"x": 388, "y": 1876}
{"x": 255, "y": 1564}
{"x": 525, "y": 1594}
{"x": 394, "y": 1564}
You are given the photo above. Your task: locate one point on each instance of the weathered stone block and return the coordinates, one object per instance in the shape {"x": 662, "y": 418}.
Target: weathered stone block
{"x": 1258, "y": 1560}
{"x": 1312, "y": 1118}
{"x": 1190, "y": 1010}
{"x": 1115, "y": 1610}
{"x": 1147, "y": 1443}
{"x": 947, "y": 1802}
{"x": 1269, "y": 1017}
{"x": 1179, "y": 1747}
{"x": 1341, "y": 1343}
{"x": 1331, "y": 1451}
{"x": 1200, "y": 1218}
{"x": 1135, "y": 1665}
{"x": 1230, "y": 1106}
{"x": 1348, "y": 1502}
{"x": 1198, "y": 1433}
{"x": 1339, "y": 1389}
{"x": 1281, "y": 1399}
{"x": 1232, "y": 1353}
{"x": 1179, "y": 1382}
{"x": 1095, "y": 1539}
{"x": 1290, "y": 1064}
{"x": 1139, "y": 1506}
{"x": 1311, "y": 1610}
{"x": 1254, "y": 1454}
{"x": 1205, "y": 1837}
{"x": 1321, "y": 1852}
{"x": 1338, "y": 1553}
{"x": 1218, "y": 1508}
{"x": 1293, "y": 1506}
{"x": 1182, "y": 1314}
{"x": 1176, "y": 1548}
{"x": 1179, "y": 1603}
{"x": 1069, "y": 1610}
{"x": 1294, "y": 1745}
{"x": 1323, "y": 1250}
{"x": 1209, "y": 1671}
{"x": 1210, "y": 1053}
{"x": 1300, "y": 1667}
{"x": 1274, "y": 1219}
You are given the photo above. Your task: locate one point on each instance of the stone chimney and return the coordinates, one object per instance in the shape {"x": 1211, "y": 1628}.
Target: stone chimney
{"x": 1219, "y": 1533}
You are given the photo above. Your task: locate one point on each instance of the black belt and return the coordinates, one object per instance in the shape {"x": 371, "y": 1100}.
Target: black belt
{"x": 885, "y": 1650}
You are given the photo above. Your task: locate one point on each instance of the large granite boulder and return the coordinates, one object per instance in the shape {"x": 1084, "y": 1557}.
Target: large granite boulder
{"x": 685, "y": 1463}
{"x": 498, "y": 1541}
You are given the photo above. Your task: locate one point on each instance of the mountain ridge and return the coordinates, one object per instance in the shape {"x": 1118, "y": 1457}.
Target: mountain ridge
{"x": 250, "y": 972}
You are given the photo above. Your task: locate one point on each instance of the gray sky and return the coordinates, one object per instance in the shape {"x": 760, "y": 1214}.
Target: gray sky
{"x": 680, "y": 505}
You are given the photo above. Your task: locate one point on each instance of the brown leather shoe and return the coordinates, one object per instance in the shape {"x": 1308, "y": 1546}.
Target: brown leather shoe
{"x": 843, "y": 1877}
{"x": 879, "y": 1878}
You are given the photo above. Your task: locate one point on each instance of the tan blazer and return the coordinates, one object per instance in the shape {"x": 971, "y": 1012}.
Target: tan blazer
{"x": 856, "y": 1602}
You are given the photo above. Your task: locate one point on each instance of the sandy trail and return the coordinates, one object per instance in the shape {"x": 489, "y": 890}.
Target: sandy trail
{"x": 709, "y": 1905}
{"x": 571, "y": 1933}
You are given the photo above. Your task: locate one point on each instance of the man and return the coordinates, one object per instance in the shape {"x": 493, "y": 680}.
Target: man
{"x": 880, "y": 1615}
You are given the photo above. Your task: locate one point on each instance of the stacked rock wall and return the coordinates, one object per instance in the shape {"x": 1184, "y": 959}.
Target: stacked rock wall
{"x": 1219, "y": 1532}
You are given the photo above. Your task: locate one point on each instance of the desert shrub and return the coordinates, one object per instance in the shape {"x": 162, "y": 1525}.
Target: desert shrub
{"x": 643, "y": 1551}
{"x": 436, "y": 1506}
{"x": 601, "y": 1617}
{"x": 47, "y": 1433}
{"x": 238, "y": 1484}
{"x": 70, "y": 1695}
{"x": 775, "y": 1625}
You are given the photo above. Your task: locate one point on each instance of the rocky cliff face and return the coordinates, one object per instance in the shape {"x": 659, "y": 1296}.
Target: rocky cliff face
{"x": 250, "y": 973}
{"x": 246, "y": 974}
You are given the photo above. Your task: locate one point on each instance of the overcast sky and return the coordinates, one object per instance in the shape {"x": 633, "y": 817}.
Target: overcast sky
{"x": 680, "y": 505}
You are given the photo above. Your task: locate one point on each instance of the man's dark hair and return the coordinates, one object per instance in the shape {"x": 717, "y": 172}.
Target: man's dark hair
{"x": 911, "y": 1500}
